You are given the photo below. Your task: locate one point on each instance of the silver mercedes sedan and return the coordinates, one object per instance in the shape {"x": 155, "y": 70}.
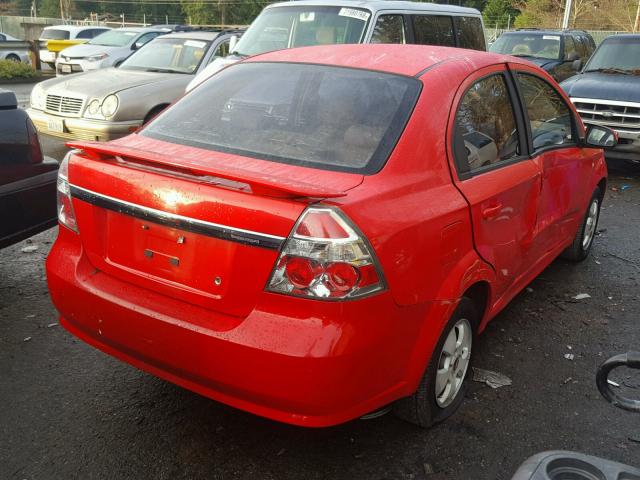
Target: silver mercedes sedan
{"x": 113, "y": 102}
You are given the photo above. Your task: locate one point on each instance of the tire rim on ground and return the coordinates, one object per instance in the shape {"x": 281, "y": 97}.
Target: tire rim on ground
{"x": 453, "y": 363}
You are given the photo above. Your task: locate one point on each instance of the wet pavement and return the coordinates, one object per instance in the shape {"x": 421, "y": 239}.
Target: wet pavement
{"x": 70, "y": 411}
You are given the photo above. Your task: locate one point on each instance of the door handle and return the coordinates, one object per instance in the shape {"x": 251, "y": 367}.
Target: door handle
{"x": 492, "y": 211}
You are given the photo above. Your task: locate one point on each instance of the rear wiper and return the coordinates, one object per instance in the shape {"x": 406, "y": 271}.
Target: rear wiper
{"x": 611, "y": 70}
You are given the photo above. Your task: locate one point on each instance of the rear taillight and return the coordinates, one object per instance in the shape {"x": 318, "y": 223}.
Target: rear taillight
{"x": 326, "y": 257}
{"x": 66, "y": 215}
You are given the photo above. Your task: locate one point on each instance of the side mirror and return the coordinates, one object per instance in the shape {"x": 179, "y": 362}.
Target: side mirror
{"x": 572, "y": 56}
{"x": 8, "y": 100}
{"x": 576, "y": 65}
{"x": 137, "y": 45}
{"x": 233, "y": 41}
{"x": 601, "y": 137}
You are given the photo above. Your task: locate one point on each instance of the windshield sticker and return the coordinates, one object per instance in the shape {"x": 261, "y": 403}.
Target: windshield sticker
{"x": 551, "y": 37}
{"x": 307, "y": 16}
{"x": 353, "y": 13}
{"x": 194, "y": 44}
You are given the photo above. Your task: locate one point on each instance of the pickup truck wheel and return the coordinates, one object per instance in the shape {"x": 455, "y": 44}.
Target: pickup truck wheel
{"x": 442, "y": 387}
{"x": 581, "y": 246}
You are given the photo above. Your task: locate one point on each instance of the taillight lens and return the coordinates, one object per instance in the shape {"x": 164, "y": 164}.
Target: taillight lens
{"x": 66, "y": 215}
{"x": 326, "y": 257}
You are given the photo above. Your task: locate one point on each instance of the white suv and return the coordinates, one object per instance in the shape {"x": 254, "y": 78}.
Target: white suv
{"x": 324, "y": 22}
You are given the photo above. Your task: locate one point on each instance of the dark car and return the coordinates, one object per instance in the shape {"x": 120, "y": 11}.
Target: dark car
{"x": 560, "y": 53}
{"x": 607, "y": 92}
{"x": 27, "y": 181}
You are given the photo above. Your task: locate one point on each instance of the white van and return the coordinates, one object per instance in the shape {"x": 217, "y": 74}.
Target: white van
{"x": 66, "y": 32}
{"x": 324, "y": 22}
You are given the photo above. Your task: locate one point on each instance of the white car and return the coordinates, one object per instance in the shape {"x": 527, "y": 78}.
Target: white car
{"x": 15, "y": 55}
{"x": 106, "y": 50}
{"x": 66, "y": 32}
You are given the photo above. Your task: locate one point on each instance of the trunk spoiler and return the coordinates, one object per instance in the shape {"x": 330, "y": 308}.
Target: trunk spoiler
{"x": 261, "y": 183}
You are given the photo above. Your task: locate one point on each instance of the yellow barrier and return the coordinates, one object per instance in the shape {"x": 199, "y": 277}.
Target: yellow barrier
{"x": 59, "y": 45}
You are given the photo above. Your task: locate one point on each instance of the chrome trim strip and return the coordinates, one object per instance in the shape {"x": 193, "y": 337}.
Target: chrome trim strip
{"x": 210, "y": 229}
{"x": 600, "y": 101}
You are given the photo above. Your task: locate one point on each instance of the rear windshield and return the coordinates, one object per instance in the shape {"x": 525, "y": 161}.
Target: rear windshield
{"x": 317, "y": 116}
{"x": 528, "y": 45}
{"x": 53, "y": 34}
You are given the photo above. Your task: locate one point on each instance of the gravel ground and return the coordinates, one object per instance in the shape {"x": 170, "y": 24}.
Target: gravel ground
{"x": 69, "y": 411}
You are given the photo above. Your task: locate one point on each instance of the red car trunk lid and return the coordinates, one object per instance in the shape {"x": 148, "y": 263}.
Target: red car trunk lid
{"x": 203, "y": 232}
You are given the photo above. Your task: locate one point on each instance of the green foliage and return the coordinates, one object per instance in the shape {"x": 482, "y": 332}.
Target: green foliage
{"x": 198, "y": 12}
{"x": 537, "y": 13}
{"x": 11, "y": 69}
{"x": 499, "y": 13}
{"x": 49, "y": 8}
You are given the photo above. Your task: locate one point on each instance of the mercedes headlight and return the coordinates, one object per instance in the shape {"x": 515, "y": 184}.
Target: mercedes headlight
{"x": 38, "y": 97}
{"x": 93, "y": 109}
{"x": 109, "y": 106}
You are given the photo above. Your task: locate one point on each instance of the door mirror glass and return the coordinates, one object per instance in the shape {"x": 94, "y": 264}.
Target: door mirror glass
{"x": 601, "y": 137}
{"x": 233, "y": 41}
{"x": 577, "y": 65}
{"x": 572, "y": 56}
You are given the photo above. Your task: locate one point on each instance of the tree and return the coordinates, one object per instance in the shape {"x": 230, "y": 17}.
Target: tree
{"x": 499, "y": 14}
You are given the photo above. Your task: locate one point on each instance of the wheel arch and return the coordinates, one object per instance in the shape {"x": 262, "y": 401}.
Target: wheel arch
{"x": 153, "y": 111}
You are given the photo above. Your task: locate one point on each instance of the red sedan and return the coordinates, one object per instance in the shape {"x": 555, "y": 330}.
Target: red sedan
{"x": 316, "y": 233}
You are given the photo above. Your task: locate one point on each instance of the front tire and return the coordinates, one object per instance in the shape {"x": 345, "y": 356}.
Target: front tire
{"x": 582, "y": 242}
{"x": 443, "y": 384}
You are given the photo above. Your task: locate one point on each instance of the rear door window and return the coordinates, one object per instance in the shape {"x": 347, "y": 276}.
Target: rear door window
{"x": 470, "y": 33}
{"x": 433, "y": 30}
{"x": 389, "y": 29}
{"x": 549, "y": 117}
{"x": 486, "y": 128}
{"x": 88, "y": 33}
{"x": 569, "y": 48}
{"x": 318, "y": 116}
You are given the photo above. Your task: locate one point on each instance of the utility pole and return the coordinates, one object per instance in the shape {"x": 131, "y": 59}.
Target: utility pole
{"x": 567, "y": 13}
{"x": 637, "y": 24}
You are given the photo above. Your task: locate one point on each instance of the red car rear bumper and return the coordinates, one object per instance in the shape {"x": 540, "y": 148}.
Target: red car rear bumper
{"x": 294, "y": 360}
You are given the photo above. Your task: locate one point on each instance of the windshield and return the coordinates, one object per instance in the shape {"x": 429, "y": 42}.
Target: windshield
{"x": 534, "y": 45}
{"x": 170, "y": 55}
{"x": 311, "y": 115}
{"x": 53, "y": 34}
{"x": 287, "y": 27}
{"x": 617, "y": 54}
{"x": 114, "y": 38}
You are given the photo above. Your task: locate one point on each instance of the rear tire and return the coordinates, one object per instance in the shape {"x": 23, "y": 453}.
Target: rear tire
{"x": 581, "y": 245}
{"x": 13, "y": 57}
{"x": 442, "y": 388}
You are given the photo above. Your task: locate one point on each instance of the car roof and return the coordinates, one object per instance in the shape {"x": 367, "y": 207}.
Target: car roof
{"x": 74, "y": 28}
{"x": 376, "y": 5}
{"x": 196, "y": 35}
{"x": 408, "y": 60}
